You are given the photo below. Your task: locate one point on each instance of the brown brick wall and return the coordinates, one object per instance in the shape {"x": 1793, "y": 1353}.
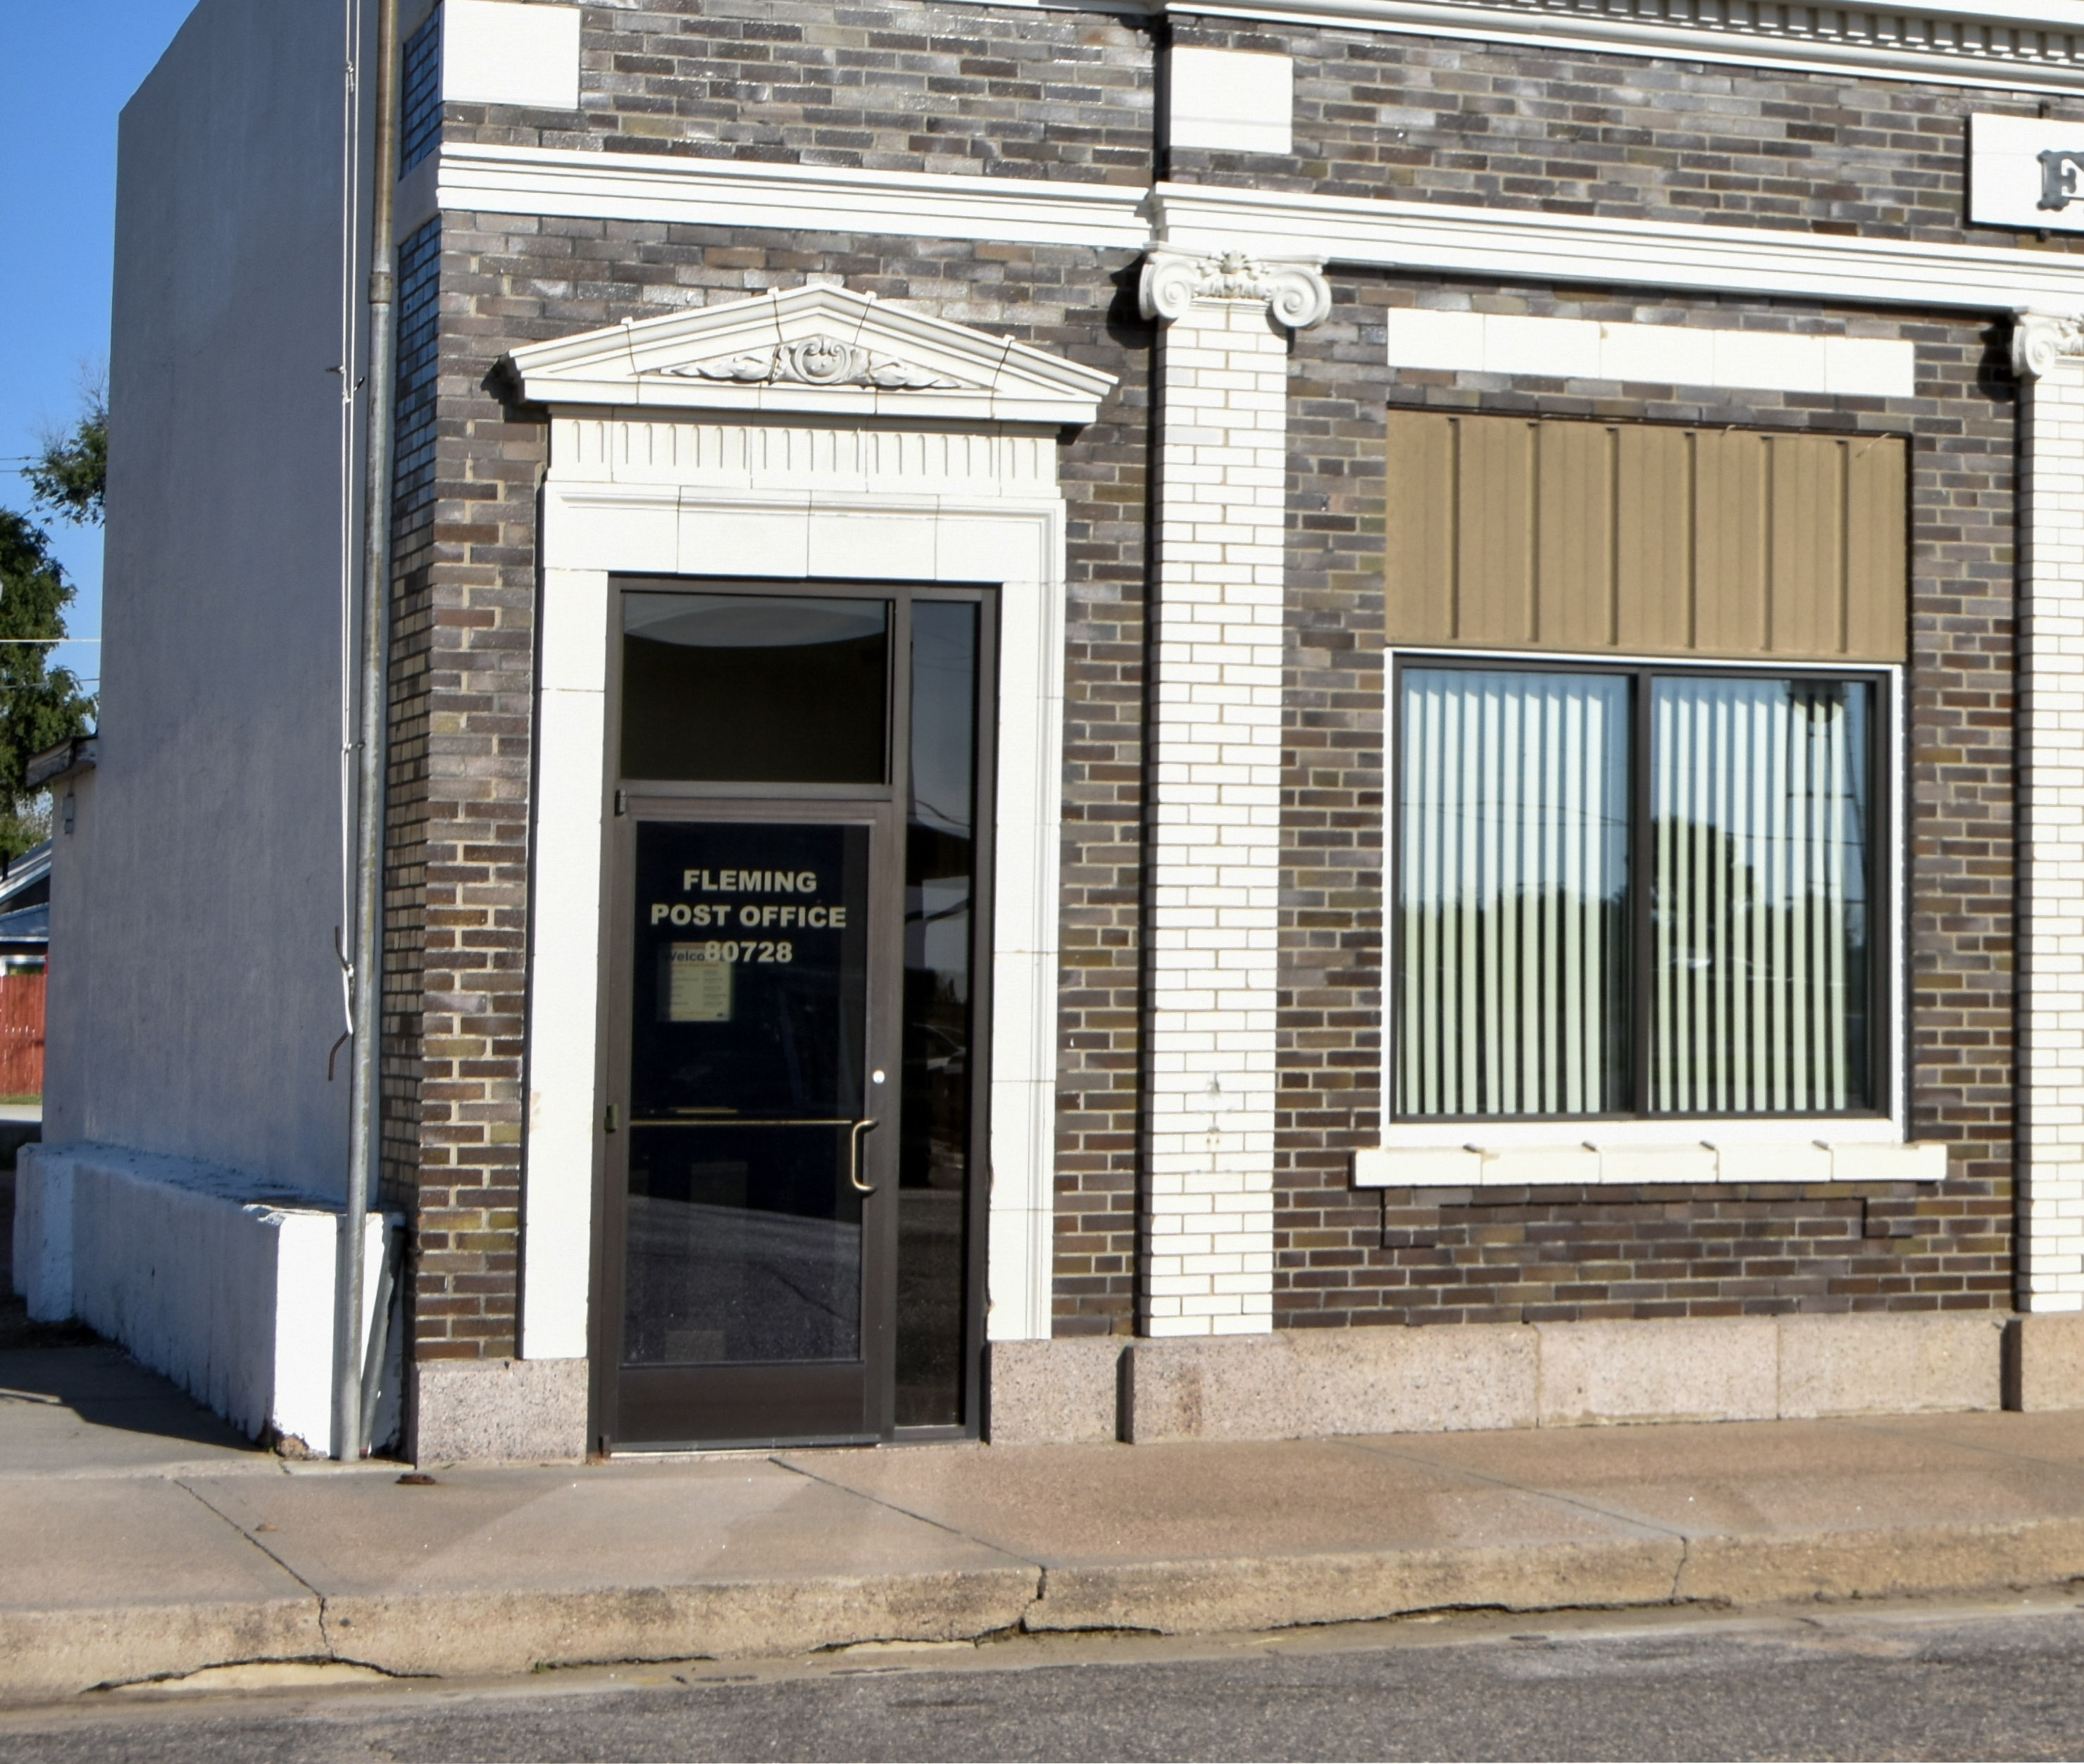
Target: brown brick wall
{"x": 941, "y": 88}
{"x": 1340, "y": 1257}
{"x": 465, "y": 652}
{"x": 893, "y": 87}
{"x": 1415, "y": 119}
{"x": 1564, "y": 1255}
{"x": 463, "y": 674}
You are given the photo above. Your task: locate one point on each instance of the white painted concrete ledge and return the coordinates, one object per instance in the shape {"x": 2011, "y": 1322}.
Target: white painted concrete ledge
{"x": 1677, "y": 1160}
{"x": 228, "y": 1295}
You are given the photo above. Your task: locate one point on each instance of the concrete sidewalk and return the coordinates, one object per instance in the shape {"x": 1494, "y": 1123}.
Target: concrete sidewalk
{"x": 139, "y": 1539}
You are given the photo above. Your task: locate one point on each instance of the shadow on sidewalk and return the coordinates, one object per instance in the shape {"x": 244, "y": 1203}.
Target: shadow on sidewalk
{"x": 71, "y": 1403}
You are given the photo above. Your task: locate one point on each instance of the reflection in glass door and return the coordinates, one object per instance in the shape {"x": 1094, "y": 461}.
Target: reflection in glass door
{"x": 795, "y": 1132}
{"x": 940, "y": 935}
{"x": 747, "y": 1075}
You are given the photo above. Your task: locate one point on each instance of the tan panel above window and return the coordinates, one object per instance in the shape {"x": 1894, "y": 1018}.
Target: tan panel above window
{"x": 1513, "y": 532}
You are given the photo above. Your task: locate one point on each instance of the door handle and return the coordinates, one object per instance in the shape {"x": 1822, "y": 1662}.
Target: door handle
{"x": 853, "y": 1156}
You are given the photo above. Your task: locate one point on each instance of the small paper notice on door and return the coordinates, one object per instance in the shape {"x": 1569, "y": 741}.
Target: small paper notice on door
{"x": 698, "y": 988}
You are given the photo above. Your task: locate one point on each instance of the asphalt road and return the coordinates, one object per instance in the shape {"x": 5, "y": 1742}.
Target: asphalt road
{"x": 1992, "y": 1681}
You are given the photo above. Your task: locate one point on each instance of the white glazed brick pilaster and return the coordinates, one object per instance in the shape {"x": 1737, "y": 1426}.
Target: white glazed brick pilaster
{"x": 2048, "y": 353}
{"x": 1215, "y": 791}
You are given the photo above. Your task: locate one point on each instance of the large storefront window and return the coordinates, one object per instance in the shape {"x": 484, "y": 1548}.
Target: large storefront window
{"x": 1629, "y": 891}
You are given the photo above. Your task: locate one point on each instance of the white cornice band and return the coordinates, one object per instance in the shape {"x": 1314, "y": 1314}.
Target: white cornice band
{"x": 1962, "y": 46}
{"x": 1200, "y": 221}
{"x": 671, "y": 188}
{"x": 1965, "y": 43}
{"x": 1518, "y": 245}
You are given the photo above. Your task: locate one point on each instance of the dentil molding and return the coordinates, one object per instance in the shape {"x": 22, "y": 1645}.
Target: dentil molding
{"x": 1295, "y": 293}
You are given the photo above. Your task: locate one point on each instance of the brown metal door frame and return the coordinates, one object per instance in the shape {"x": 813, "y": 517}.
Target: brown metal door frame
{"x": 884, "y": 807}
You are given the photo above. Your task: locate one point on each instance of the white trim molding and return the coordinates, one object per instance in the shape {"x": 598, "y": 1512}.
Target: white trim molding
{"x": 1532, "y": 245}
{"x": 1624, "y": 352}
{"x": 1432, "y": 1153}
{"x": 1218, "y": 616}
{"x": 2047, "y": 353}
{"x": 851, "y": 490}
{"x": 1195, "y": 221}
{"x": 816, "y": 349}
{"x": 1672, "y": 1151}
{"x": 675, "y": 189}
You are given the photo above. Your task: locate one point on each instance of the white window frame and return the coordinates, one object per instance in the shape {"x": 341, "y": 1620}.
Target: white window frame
{"x": 1780, "y": 1148}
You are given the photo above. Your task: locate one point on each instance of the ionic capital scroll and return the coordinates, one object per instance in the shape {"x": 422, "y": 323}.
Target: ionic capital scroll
{"x": 2040, "y": 339}
{"x": 1294, "y": 292}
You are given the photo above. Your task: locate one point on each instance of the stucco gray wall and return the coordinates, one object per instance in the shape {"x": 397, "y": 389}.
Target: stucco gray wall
{"x": 194, "y": 993}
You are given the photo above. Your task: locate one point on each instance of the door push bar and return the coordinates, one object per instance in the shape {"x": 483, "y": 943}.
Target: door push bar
{"x": 853, "y": 1156}
{"x": 855, "y": 1129}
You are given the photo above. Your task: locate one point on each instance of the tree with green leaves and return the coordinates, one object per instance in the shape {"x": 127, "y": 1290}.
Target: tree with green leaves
{"x": 68, "y": 477}
{"x": 42, "y": 705}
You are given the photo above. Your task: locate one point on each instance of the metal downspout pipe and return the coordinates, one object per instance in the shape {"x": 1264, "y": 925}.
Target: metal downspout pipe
{"x": 365, "y": 1102}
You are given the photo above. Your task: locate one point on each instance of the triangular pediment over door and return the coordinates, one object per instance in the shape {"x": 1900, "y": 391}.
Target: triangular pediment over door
{"x": 816, "y": 350}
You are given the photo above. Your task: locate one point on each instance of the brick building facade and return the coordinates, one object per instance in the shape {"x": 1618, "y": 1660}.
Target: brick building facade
{"x": 1657, "y": 407}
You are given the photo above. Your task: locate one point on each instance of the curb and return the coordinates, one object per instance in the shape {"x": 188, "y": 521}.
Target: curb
{"x": 50, "y": 1655}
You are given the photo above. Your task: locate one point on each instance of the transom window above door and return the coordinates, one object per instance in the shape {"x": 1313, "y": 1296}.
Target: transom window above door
{"x": 1637, "y": 890}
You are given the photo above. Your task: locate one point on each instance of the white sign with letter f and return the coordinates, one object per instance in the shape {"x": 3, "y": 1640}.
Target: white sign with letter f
{"x": 2026, "y": 172}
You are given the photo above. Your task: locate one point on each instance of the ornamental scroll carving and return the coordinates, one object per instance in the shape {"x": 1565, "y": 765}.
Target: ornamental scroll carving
{"x": 1294, "y": 293}
{"x": 818, "y": 361}
{"x": 2040, "y": 339}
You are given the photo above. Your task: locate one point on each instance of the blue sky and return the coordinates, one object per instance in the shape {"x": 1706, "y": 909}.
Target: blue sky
{"x": 65, "y": 73}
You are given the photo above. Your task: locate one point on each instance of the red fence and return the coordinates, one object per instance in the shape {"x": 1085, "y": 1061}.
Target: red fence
{"x": 21, "y": 1034}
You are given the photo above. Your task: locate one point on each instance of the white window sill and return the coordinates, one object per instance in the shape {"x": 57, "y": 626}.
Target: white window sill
{"x": 1468, "y": 1154}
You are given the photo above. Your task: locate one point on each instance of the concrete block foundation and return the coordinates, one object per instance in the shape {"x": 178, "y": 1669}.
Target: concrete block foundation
{"x": 2044, "y": 1361}
{"x": 510, "y": 1410}
{"x": 1299, "y": 1384}
{"x": 1714, "y": 1369}
{"x": 1064, "y": 1392}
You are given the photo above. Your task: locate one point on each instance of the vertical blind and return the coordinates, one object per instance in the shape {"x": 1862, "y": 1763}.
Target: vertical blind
{"x": 1759, "y": 920}
{"x": 1518, "y": 929}
{"x": 1514, "y": 871}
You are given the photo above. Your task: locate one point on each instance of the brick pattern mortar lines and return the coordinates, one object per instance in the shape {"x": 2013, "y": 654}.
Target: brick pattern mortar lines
{"x": 1006, "y": 94}
{"x": 1621, "y": 136}
{"x": 1347, "y": 1257}
{"x": 949, "y": 89}
{"x": 2051, "y": 1129}
{"x": 1215, "y": 788}
{"x": 464, "y": 663}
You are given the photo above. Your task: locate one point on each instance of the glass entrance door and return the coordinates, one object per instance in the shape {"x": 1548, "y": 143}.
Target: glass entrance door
{"x": 794, "y": 1132}
{"x": 757, "y": 1066}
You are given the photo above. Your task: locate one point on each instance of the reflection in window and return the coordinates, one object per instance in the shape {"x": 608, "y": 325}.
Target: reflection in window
{"x": 1514, "y": 892}
{"x": 763, "y": 688}
{"x": 1760, "y": 816}
{"x": 1531, "y": 874}
{"x": 940, "y": 848}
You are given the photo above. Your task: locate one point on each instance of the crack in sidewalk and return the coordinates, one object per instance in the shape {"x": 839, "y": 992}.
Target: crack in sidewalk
{"x": 320, "y": 1602}
{"x": 1014, "y": 1557}
{"x": 217, "y": 1512}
